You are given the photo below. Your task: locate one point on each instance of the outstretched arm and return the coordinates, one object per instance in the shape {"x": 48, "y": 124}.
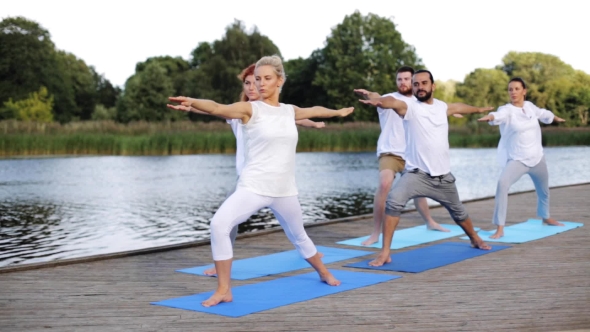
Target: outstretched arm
{"x": 189, "y": 109}
{"x": 320, "y": 112}
{"x": 545, "y": 116}
{"x": 366, "y": 94}
{"x": 397, "y": 105}
{"x": 496, "y": 118}
{"x": 240, "y": 110}
{"x": 460, "y": 108}
{"x": 310, "y": 124}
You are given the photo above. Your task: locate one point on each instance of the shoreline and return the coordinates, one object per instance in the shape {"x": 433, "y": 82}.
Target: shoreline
{"x": 199, "y": 243}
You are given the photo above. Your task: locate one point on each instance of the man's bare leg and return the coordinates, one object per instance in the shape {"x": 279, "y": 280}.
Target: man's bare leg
{"x": 422, "y": 207}
{"x": 389, "y": 226}
{"x": 325, "y": 275}
{"x": 386, "y": 177}
{"x": 223, "y": 291}
{"x": 552, "y": 222}
{"x": 476, "y": 241}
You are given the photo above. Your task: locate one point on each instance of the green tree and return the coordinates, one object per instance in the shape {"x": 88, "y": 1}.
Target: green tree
{"x": 536, "y": 69}
{"x": 569, "y": 97}
{"x": 484, "y": 87}
{"x": 299, "y": 88}
{"x": 362, "y": 52}
{"x": 28, "y": 60}
{"x": 37, "y": 107}
{"x": 447, "y": 92}
{"x": 106, "y": 94}
{"x": 216, "y": 65}
{"x": 145, "y": 96}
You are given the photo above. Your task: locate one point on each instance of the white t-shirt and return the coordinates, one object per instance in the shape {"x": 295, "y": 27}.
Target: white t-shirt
{"x": 520, "y": 133}
{"x": 392, "y": 138}
{"x": 236, "y": 127}
{"x": 427, "y": 137}
{"x": 270, "y": 139}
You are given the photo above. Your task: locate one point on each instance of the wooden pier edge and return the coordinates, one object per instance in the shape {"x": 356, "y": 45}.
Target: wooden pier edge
{"x": 184, "y": 245}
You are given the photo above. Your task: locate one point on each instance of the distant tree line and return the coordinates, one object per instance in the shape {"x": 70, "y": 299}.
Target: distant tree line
{"x": 41, "y": 83}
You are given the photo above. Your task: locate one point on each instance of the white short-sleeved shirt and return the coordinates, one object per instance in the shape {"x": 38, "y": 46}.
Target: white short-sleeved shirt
{"x": 236, "y": 127}
{"x": 392, "y": 138}
{"x": 520, "y": 132}
{"x": 270, "y": 139}
{"x": 427, "y": 137}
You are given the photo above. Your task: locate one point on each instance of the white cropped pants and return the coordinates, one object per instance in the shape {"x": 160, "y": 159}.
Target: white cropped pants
{"x": 238, "y": 207}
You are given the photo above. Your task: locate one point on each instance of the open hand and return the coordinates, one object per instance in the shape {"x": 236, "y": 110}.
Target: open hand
{"x": 489, "y": 117}
{"x": 484, "y": 109}
{"x": 558, "y": 119}
{"x": 374, "y": 102}
{"x": 366, "y": 94}
{"x": 319, "y": 125}
{"x": 179, "y": 107}
{"x": 345, "y": 111}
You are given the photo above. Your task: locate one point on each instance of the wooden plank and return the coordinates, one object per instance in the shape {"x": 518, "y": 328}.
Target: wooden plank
{"x": 542, "y": 285}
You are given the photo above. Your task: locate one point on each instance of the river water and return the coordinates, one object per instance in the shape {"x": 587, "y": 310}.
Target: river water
{"x": 56, "y": 208}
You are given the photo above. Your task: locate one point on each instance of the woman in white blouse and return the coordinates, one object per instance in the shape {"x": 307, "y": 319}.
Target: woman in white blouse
{"x": 520, "y": 151}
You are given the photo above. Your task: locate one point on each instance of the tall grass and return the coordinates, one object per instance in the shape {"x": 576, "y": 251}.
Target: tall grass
{"x": 177, "y": 138}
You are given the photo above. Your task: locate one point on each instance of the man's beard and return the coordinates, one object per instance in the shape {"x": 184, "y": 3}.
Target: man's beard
{"x": 425, "y": 97}
{"x": 404, "y": 91}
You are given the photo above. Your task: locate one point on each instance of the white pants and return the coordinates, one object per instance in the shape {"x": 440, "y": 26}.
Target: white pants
{"x": 241, "y": 205}
{"x": 513, "y": 171}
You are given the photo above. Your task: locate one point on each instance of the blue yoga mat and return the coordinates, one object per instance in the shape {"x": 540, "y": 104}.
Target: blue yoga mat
{"x": 276, "y": 293}
{"x": 419, "y": 260}
{"x": 280, "y": 262}
{"x": 410, "y": 237}
{"x": 530, "y": 230}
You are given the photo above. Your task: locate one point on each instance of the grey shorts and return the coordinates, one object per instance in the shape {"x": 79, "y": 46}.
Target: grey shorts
{"x": 417, "y": 183}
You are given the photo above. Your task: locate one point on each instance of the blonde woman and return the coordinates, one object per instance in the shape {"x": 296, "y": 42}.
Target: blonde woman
{"x": 268, "y": 176}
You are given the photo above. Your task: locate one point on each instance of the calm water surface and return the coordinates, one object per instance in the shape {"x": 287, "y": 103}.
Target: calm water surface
{"x": 71, "y": 207}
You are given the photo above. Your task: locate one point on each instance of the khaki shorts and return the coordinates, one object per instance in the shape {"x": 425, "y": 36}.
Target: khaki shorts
{"x": 392, "y": 162}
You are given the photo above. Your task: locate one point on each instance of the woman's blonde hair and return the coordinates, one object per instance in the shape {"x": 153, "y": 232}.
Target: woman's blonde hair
{"x": 276, "y": 63}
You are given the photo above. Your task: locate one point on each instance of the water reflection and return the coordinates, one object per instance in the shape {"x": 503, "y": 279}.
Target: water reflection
{"x": 72, "y": 207}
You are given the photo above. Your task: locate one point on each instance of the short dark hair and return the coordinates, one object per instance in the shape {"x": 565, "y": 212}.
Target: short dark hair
{"x": 518, "y": 79}
{"x": 425, "y": 71}
{"x": 405, "y": 69}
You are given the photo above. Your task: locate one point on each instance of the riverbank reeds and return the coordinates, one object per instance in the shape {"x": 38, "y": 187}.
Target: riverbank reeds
{"x": 177, "y": 138}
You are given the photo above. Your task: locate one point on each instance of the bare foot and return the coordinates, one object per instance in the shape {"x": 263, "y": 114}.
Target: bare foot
{"x": 381, "y": 259}
{"x": 552, "y": 222}
{"x": 218, "y": 297}
{"x": 372, "y": 239}
{"x": 478, "y": 243}
{"x": 497, "y": 235}
{"x": 434, "y": 226}
{"x": 210, "y": 272}
{"x": 329, "y": 279}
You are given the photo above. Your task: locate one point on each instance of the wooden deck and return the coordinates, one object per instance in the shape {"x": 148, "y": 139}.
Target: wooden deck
{"x": 542, "y": 285}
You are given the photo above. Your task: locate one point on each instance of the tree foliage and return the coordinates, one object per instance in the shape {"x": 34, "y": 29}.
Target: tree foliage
{"x": 36, "y": 107}
{"x": 362, "y": 52}
{"x": 29, "y": 61}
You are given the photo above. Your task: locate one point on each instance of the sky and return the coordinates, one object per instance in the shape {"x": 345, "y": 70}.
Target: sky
{"x": 452, "y": 37}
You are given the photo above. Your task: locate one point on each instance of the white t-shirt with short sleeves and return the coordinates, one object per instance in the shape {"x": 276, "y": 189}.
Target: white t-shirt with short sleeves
{"x": 392, "y": 138}
{"x": 427, "y": 137}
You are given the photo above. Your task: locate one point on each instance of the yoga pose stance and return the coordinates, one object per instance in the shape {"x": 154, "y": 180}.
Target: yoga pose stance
{"x": 391, "y": 148}
{"x": 520, "y": 151}
{"x": 427, "y": 172}
{"x": 268, "y": 176}
{"x": 249, "y": 93}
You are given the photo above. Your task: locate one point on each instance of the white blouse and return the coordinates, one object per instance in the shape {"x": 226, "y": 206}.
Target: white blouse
{"x": 520, "y": 132}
